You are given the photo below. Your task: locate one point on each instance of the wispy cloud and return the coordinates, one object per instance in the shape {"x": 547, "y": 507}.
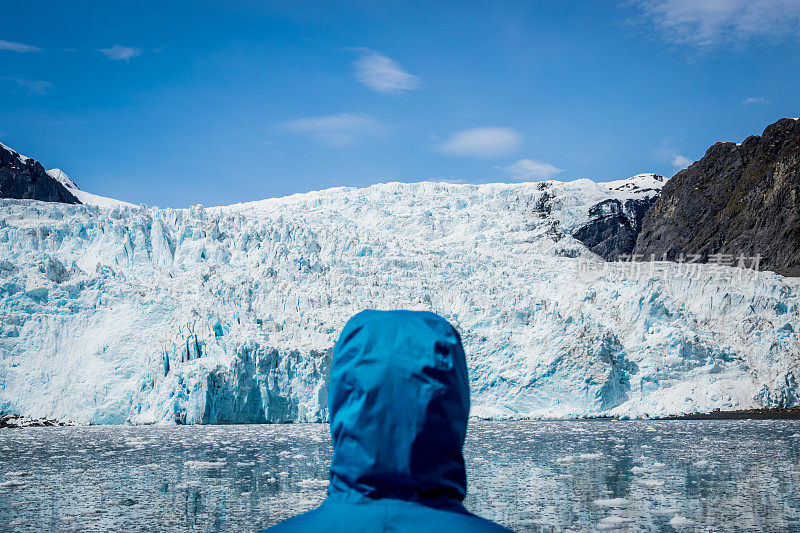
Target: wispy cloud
{"x": 121, "y": 53}
{"x": 18, "y": 47}
{"x": 680, "y": 162}
{"x": 668, "y": 153}
{"x": 709, "y": 23}
{"x": 482, "y": 142}
{"x": 530, "y": 169}
{"x": 32, "y": 87}
{"x": 755, "y": 100}
{"x": 344, "y": 129}
{"x": 383, "y": 74}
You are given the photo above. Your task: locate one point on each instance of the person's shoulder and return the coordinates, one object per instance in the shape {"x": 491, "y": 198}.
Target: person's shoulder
{"x": 376, "y": 515}
{"x": 302, "y": 522}
{"x": 489, "y": 526}
{"x": 419, "y": 518}
{"x": 469, "y": 523}
{"x": 364, "y": 517}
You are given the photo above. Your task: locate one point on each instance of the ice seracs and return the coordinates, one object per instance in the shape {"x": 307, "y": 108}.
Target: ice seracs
{"x": 115, "y": 314}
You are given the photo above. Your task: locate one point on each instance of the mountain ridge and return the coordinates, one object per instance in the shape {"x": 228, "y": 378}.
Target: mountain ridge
{"x": 739, "y": 199}
{"x": 22, "y": 177}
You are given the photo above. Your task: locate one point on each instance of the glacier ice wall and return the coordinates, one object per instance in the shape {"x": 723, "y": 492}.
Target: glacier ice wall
{"x": 229, "y": 314}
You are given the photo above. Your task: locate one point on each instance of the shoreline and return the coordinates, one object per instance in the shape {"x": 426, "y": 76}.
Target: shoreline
{"x": 760, "y": 413}
{"x": 9, "y": 421}
{"x": 764, "y": 413}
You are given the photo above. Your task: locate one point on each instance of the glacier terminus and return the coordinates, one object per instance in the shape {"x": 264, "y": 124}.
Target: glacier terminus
{"x": 113, "y": 313}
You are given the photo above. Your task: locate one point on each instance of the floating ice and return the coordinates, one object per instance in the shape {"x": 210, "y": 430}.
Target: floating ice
{"x": 590, "y": 455}
{"x": 613, "y": 502}
{"x": 613, "y": 522}
{"x": 681, "y": 522}
{"x": 651, "y": 483}
{"x": 204, "y": 465}
{"x": 313, "y": 483}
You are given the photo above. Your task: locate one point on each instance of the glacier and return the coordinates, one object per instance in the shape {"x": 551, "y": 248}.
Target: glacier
{"x": 113, "y": 313}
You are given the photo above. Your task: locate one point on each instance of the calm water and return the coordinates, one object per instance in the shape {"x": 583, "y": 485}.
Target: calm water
{"x": 530, "y": 476}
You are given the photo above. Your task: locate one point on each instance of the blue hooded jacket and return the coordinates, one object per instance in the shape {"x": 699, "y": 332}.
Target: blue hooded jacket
{"x": 399, "y": 404}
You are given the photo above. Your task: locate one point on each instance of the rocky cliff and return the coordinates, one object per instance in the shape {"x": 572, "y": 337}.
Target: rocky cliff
{"x": 738, "y": 200}
{"x": 615, "y": 223}
{"x": 24, "y": 178}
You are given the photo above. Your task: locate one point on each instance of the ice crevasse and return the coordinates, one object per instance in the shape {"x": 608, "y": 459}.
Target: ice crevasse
{"x": 115, "y": 314}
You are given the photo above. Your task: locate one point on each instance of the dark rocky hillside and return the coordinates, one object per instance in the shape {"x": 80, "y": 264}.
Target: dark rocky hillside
{"x": 739, "y": 199}
{"x": 24, "y": 178}
{"x": 612, "y": 232}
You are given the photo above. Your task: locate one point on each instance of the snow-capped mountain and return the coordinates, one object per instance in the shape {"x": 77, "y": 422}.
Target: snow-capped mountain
{"x": 229, "y": 314}
{"x": 23, "y": 177}
{"x": 85, "y": 197}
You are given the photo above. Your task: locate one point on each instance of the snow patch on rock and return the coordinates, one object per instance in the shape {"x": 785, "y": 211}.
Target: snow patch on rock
{"x": 85, "y": 197}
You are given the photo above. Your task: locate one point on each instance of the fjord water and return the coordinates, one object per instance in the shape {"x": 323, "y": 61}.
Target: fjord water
{"x": 550, "y": 476}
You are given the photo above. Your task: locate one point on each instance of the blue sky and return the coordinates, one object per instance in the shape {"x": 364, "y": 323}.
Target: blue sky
{"x": 177, "y": 103}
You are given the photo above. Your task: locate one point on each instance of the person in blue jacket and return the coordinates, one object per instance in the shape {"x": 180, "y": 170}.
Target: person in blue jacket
{"x": 399, "y": 404}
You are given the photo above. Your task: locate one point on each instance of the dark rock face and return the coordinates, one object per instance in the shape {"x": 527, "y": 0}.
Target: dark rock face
{"x": 25, "y": 178}
{"x": 739, "y": 200}
{"x": 614, "y": 227}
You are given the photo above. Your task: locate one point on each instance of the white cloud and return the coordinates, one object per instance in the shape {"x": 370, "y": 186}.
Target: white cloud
{"x": 667, "y": 152}
{"x": 755, "y": 100}
{"x": 707, "y": 23}
{"x": 482, "y": 142}
{"x": 121, "y": 53}
{"x": 530, "y": 169}
{"x": 18, "y": 47}
{"x": 680, "y": 162}
{"x": 383, "y": 74}
{"x": 34, "y": 87}
{"x": 340, "y": 130}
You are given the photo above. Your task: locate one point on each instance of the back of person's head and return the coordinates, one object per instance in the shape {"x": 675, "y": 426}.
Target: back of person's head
{"x": 398, "y": 405}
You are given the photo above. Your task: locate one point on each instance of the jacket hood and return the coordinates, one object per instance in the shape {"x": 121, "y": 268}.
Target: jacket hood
{"x": 398, "y": 404}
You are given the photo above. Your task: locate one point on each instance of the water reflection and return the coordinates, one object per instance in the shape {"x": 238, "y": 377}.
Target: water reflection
{"x": 539, "y": 476}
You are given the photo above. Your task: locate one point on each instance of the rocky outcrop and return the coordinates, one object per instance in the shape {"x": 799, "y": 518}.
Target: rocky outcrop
{"x": 615, "y": 223}
{"x": 24, "y": 178}
{"x": 738, "y": 200}
{"x": 614, "y": 227}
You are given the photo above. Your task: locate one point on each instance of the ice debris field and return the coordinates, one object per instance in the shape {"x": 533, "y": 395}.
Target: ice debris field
{"x": 113, "y": 313}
